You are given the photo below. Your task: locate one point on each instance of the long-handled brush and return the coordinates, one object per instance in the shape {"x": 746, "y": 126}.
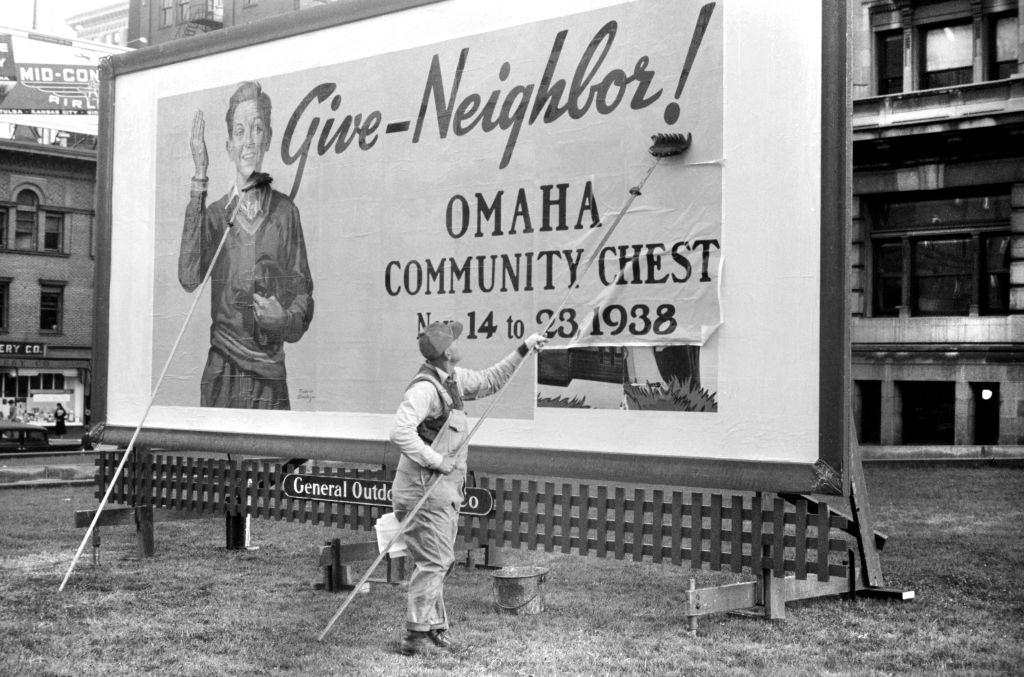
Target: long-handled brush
{"x": 665, "y": 145}
{"x": 255, "y": 181}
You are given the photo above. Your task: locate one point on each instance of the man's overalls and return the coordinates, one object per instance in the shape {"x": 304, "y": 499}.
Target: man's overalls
{"x": 431, "y": 536}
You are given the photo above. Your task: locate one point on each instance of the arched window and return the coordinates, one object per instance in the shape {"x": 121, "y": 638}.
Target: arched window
{"x": 26, "y": 221}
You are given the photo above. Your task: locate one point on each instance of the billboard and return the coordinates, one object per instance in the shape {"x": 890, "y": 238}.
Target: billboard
{"x": 47, "y": 75}
{"x": 452, "y": 160}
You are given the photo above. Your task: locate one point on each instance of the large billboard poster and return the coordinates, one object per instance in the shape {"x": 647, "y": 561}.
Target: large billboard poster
{"x": 464, "y": 160}
{"x": 472, "y": 180}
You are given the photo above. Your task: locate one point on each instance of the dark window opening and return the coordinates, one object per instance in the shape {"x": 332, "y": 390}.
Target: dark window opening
{"x": 946, "y": 256}
{"x": 25, "y": 221}
{"x": 928, "y": 411}
{"x": 53, "y": 233}
{"x": 869, "y": 411}
{"x": 46, "y": 381}
{"x": 995, "y": 298}
{"x": 888, "y": 287}
{"x": 986, "y": 412}
{"x": 890, "y": 62}
{"x": 166, "y": 13}
{"x": 942, "y": 213}
{"x": 4, "y": 290}
{"x": 51, "y": 306}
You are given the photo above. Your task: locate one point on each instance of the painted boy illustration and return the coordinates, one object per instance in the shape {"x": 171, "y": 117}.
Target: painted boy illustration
{"x": 261, "y": 291}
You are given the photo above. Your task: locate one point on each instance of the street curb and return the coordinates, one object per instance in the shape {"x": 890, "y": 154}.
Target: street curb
{"x": 47, "y": 472}
{"x": 945, "y": 462}
{"x": 45, "y": 484}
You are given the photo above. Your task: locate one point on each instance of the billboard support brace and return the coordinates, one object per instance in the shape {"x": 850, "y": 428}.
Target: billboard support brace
{"x": 767, "y": 596}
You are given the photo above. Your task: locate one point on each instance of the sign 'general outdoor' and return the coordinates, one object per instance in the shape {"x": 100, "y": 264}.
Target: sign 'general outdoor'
{"x": 476, "y": 501}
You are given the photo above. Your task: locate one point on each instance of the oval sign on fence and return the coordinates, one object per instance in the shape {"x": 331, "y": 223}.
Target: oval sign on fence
{"x": 477, "y": 501}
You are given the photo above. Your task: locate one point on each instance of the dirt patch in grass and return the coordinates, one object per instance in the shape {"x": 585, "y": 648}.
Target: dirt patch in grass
{"x": 956, "y": 538}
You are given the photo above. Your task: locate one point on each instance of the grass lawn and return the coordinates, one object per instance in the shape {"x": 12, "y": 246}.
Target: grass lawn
{"x": 956, "y": 537}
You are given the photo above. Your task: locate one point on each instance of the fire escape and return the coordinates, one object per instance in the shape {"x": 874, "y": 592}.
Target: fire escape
{"x": 202, "y": 16}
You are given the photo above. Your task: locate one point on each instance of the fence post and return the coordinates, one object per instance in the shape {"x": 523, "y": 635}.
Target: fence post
{"x": 144, "y": 530}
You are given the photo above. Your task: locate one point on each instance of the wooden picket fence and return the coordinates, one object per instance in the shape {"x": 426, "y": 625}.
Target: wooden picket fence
{"x": 739, "y": 532}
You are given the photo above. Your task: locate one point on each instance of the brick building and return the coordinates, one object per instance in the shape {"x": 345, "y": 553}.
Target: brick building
{"x": 154, "y": 22}
{"x": 46, "y": 278}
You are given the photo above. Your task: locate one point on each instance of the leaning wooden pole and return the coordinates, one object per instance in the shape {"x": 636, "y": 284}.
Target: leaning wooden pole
{"x": 149, "y": 405}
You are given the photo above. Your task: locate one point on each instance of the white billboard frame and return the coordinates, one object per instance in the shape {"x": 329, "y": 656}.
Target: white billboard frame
{"x": 783, "y": 438}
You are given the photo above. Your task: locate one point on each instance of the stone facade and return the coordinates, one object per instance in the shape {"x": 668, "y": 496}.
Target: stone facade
{"x": 938, "y": 178}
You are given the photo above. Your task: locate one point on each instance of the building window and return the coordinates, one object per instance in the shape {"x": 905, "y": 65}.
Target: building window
{"x": 941, "y": 257}
{"x": 1004, "y": 47}
{"x": 51, "y": 309}
{"x": 996, "y": 282}
{"x": 25, "y": 221}
{"x": 888, "y": 287}
{"x": 166, "y": 13}
{"x": 46, "y": 381}
{"x": 890, "y": 62}
{"x": 947, "y": 57}
{"x": 3, "y": 229}
{"x": 928, "y": 411}
{"x": 53, "y": 232}
{"x": 5, "y": 287}
{"x": 183, "y": 15}
{"x": 942, "y": 275}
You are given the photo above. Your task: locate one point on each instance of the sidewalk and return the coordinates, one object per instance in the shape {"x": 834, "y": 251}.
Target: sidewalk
{"x": 36, "y": 476}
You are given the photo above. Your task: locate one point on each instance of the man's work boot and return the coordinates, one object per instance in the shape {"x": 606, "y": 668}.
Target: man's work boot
{"x": 414, "y": 642}
{"x": 440, "y": 638}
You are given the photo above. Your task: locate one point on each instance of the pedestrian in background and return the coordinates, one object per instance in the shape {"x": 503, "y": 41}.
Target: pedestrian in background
{"x": 60, "y": 418}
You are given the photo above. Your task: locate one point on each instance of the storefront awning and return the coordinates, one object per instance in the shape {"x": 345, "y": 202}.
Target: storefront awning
{"x": 46, "y": 364}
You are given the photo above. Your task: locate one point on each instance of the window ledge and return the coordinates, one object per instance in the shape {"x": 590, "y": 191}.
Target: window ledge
{"x": 939, "y": 330}
{"x": 947, "y": 104}
{"x": 35, "y": 252}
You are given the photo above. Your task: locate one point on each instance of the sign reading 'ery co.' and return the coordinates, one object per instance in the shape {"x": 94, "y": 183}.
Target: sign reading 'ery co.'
{"x": 476, "y": 501}
{"x": 23, "y": 349}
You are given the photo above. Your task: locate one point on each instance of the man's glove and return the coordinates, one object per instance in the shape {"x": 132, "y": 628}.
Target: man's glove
{"x": 535, "y": 342}
{"x": 447, "y": 465}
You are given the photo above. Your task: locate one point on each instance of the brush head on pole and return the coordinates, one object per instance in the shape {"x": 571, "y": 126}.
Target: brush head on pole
{"x": 667, "y": 145}
{"x": 256, "y": 180}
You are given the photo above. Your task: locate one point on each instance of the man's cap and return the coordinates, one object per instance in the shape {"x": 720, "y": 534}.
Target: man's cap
{"x": 436, "y": 338}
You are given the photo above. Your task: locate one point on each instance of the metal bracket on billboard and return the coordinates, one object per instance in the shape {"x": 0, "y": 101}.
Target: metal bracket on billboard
{"x": 665, "y": 145}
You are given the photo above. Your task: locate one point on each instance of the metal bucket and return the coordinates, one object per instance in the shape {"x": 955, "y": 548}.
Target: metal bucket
{"x": 519, "y": 590}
